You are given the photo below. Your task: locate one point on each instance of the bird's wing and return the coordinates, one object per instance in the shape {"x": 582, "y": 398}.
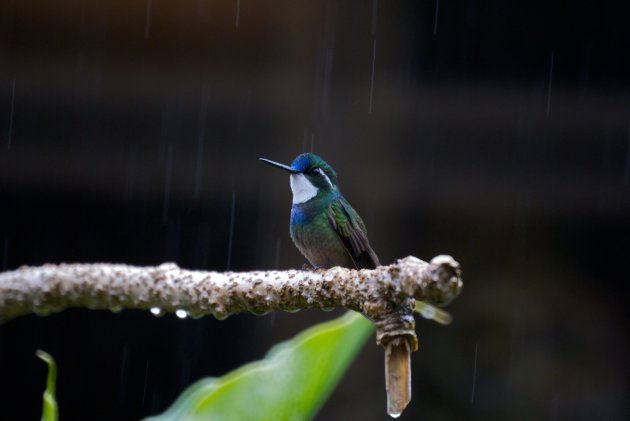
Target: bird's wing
{"x": 351, "y": 229}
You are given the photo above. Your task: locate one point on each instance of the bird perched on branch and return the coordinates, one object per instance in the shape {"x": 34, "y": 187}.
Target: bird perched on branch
{"x": 324, "y": 227}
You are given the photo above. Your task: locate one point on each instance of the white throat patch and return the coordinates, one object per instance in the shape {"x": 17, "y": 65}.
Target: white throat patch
{"x": 302, "y": 189}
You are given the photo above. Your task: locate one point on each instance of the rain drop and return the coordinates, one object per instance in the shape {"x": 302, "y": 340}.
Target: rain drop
{"x": 147, "y": 21}
{"x": 474, "y": 382}
{"x": 144, "y": 388}
{"x": 5, "y": 253}
{"x": 11, "y": 114}
{"x": 550, "y": 82}
{"x": 374, "y": 15}
{"x": 182, "y": 314}
{"x": 167, "y": 182}
{"x": 372, "y": 78}
{"x": 437, "y": 11}
{"x": 231, "y": 238}
{"x": 200, "y": 142}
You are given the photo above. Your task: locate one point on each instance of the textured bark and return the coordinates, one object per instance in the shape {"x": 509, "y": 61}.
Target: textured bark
{"x": 386, "y": 295}
{"x": 377, "y": 293}
{"x": 397, "y": 376}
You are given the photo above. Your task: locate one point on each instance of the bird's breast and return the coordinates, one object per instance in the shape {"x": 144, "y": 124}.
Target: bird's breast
{"x": 313, "y": 235}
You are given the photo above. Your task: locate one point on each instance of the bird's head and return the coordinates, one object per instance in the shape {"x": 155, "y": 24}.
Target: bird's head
{"x": 311, "y": 176}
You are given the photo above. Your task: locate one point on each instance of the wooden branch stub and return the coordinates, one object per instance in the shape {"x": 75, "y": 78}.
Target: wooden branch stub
{"x": 397, "y": 375}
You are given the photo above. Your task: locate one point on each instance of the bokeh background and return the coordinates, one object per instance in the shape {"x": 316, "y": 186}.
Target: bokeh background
{"x": 497, "y": 132}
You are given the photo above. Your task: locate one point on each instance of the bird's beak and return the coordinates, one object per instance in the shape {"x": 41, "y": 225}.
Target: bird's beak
{"x": 277, "y": 164}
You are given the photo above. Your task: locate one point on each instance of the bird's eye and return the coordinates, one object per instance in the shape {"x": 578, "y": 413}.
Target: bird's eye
{"x": 315, "y": 171}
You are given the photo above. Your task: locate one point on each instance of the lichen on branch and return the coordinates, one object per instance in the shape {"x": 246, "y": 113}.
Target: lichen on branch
{"x": 51, "y": 288}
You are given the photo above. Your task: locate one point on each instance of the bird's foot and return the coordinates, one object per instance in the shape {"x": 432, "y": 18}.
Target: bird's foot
{"x": 309, "y": 268}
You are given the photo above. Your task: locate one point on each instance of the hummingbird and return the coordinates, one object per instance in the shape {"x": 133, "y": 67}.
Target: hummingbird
{"x": 324, "y": 227}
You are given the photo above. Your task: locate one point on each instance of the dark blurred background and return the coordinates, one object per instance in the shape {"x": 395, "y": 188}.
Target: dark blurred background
{"x": 497, "y": 132}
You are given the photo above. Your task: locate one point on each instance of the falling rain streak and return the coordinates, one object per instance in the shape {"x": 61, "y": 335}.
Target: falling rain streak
{"x": 277, "y": 259}
{"x": 474, "y": 382}
{"x": 122, "y": 390}
{"x": 5, "y": 253}
{"x": 131, "y": 168}
{"x": 305, "y": 144}
{"x": 144, "y": 387}
{"x": 374, "y": 14}
{"x": 147, "y": 22}
{"x": 238, "y": 12}
{"x": 200, "y": 143}
{"x": 372, "y": 79}
{"x": 437, "y": 11}
{"x": 229, "y": 257}
{"x": 167, "y": 182}
{"x": 198, "y": 168}
{"x": 11, "y": 114}
{"x": 550, "y": 82}
{"x": 555, "y": 407}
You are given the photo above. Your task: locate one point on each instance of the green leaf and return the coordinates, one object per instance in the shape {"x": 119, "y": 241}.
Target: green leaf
{"x": 50, "y": 411}
{"x": 291, "y": 383}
